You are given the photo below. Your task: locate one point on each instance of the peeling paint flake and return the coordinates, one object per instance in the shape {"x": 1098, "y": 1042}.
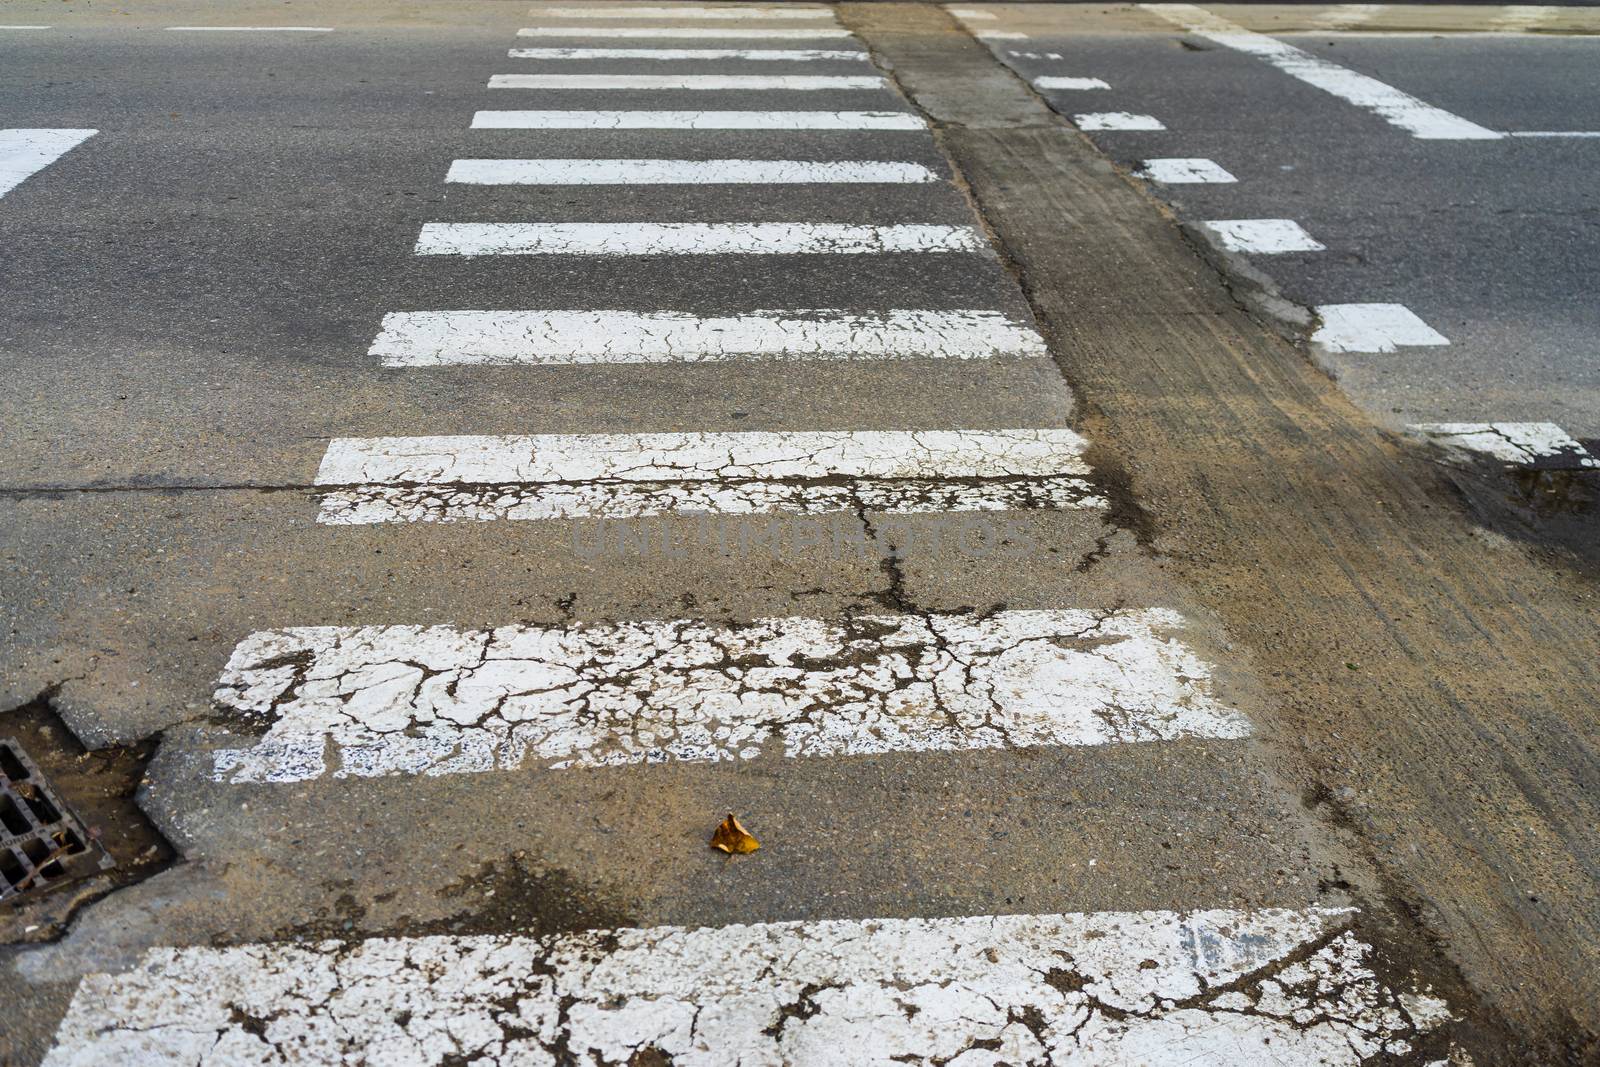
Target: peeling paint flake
{"x": 466, "y": 479}
{"x": 397, "y": 700}
{"x": 1541, "y": 445}
{"x": 448, "y": 338}
{"x": 1260, "y": 987}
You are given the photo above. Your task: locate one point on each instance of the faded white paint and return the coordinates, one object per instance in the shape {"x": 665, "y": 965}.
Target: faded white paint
{"x": 1000, "y": 35}
{"x": 687, "y": 82}
{"x": 1065, "y": 82}
{"x": 1554, "y": 133}
{"x": 251, "y": 29}
{"x": 1420, "y": 119}
{"x": 681, "y": 11}
{"x": 1183, "y": 171}
{"x": 438, "y": 338}
{"x": 1520, "y": 444}
{"x": 971, "y": 13}
{"x": 697, "y": 120}
{"x": 556, "y": 476}
{"x": 1346, "y": 15}
{"x": 750, "y": 33}
{"x": 1246, "y": 988}
{"x": 788, "y": 55}
{"x": 400, "y": 700}
{"x": 1520, "y": 18}
{"x": 688, "y": 238}
{"x": 1116, "y": 120}
{"x": 1261, "y": 236}
{"x": 24, "y": 27}
{"x": 1372, "y": 328}
{"x": 24, "y": 153}
{"x": 683, "y": 172}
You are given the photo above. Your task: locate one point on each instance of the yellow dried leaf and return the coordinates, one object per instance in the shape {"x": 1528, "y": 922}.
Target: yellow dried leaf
{"x": 732, "y": 838}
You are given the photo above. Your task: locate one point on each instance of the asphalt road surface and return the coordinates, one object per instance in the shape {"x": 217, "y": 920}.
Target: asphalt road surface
{"x": 467, "y": 451}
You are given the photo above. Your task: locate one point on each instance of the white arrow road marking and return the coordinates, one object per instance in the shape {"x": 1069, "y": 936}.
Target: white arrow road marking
{"x": 1520, "y": 444}
{"x": 686, "y": 11}
{"x": 688, "y": 238}
{"x": 1244, "y": 988}
{"x": 758, "y": 54}
{"x": 560, "y": 476}
{"x": 759, "y": 33}
{"x": 439, "y": 338}
{"x": 1372, "y": 328}
{"x": 687, "y": 82}
{"x": 1420, "y": 119}
{"x": 681, "y": 172}
{"x": 1262, "y": 236}
{"x": 396, "y": 700}
{"x": 697, "y": 120}
{"x": 24, "y": 153}
{"x": 1183, "y": 171}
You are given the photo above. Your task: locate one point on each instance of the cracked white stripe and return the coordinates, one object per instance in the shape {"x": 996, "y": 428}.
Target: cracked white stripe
{"x": 1422, "y": 120}
{"x": 1246, "y": 988}
{"x": 557, "y": 476}
{"x": 1372, "y": 328}
{"x": 686, "y": 11}
{"x": 697, "y": 120}
{"x": 663, "y": 54}
{"x": 24, "y": 153}
{"x": 437, "y": 338}
{"x": 1183, "y": 171}
{"x": 702, "y": 32}
{"x": 1116, "y": 120}
{"x": 400, "y": 700}
{"x": 687, "y": 82}
{"x": 681, "y": 172}
{"x": 1521, "y": 444}
{"x": 688, "y": 238}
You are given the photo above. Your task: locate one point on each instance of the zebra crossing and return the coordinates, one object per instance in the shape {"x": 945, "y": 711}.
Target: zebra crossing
{"x": 327, "y": 705}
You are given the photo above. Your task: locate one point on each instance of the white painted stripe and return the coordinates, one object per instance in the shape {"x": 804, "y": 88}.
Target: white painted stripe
{"x": 681, "y": 172}
{"x": 24, "y": 153}
{"x": 477, "y": 479}
{"x": 1521, "y": 18}
{"x": 251, "y": 29}
{"x": 1116, "y": 120}
{"x": 1182, "y": 171}
{"x": 1062, "y": 82}
{"x": 1555, "y": 133}
{"x": 755, "y": 33}
{"x": 664, "y": 54}
{"x": 688, "y": 238}
{"x": 1000, "y": 35}
{"x": 1520, "y": 444}
{"x": 1372, "y": 328}
{"x": 591, "y": 82}
{"x": 1421, "y": 120}
{"x": 1245, "y": 988}
{"x": 404, "y": 700}
{"x": 24, "y": 27}
{"x": 697, "y": 120}
{"x": 683, "y": 11}
{"x": 1346, "y": 15}
{"x": 446, "y": 338}
{"x": 1262, "y": 236}
{"x": 967, "y": 13}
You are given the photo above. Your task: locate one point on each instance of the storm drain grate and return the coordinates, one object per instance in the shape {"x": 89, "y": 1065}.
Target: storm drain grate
{"x": 41, "y": 841}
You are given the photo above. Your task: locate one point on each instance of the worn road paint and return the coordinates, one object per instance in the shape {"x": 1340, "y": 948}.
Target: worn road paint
{"x": 1000, "y": 35}
{"x": 479, "y": 479}
{"x": 452, "y": 338}
{"x": 1372, "y": 328}
{"x": 1116, "y": 120}
{"x": 402, "y": 700}
{"x": 1247, "y": 988}
{"x": 686, "y": 11}
{"x": 25, "y": 27}
{"x": 1521, "y": 18}
{"x": 251, "y": 29}
{"x": 1346, "y": 15}
{"x": 1520, "y": 444}
{"x": 688, "y": 238}
{"x": 23, "y": 153}
{"x": 747, "y": 82}
{"x": 1063, "y": 82}
{"x": 683, "y": 172}
{"x": 787, "y": 55}
{"x": 969, "y": 13}
{"x": 1554, "y": 133}
{"x": 1421, "y": 120}
{"x": 1262, "y": 236}
{"x": 1182, "y": 171}
{"x": 752, "y": 33}
{"x": 697, "y": 120}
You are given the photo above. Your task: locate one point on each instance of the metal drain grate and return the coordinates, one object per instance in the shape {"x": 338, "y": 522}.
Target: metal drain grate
{"x": 41, "y": 841}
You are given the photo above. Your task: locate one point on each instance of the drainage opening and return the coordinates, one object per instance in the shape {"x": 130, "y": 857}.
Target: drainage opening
{"x": 42, "y": 842}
